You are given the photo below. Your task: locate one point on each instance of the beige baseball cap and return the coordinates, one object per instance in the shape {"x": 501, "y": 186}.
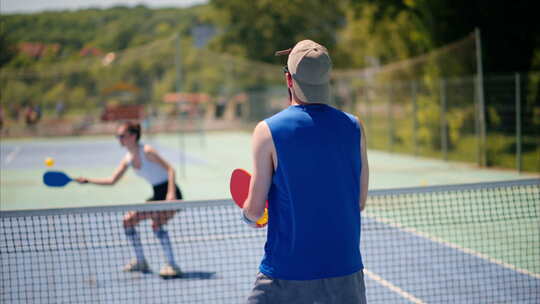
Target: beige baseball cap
{"x": 310, "y": 67}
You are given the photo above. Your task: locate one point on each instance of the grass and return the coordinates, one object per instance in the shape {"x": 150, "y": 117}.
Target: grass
{"x": 500, "y": 148}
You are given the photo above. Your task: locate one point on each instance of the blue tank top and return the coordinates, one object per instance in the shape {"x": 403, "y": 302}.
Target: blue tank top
{"x": 313, "y": 202}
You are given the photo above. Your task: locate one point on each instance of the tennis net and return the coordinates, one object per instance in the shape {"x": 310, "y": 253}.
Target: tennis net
{"x": 475, "y": 243}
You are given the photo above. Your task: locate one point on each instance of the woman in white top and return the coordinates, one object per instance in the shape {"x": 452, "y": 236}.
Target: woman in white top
{"x": 149, "y": 165}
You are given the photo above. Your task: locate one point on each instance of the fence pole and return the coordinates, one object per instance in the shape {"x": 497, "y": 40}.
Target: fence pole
{"x": 518, "y": 123}
{"x": 414, "y": 91}
{"x": 390, "y": 119}
{"x": 444, "y": 135}
{"x": 368, "y": 109}
{"x": 481, "y": 105}
{"x": 178, "y": 65}
{"x": 352, "y": 96}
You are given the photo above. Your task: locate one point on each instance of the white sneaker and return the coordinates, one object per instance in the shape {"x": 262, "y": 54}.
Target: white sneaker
{"x": 135, "y": 265}
{"x": 170, "y": 271}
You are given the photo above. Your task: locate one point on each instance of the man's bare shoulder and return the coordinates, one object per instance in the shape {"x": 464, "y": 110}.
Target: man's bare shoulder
{"x": 360, "y": 124}
{"x": 262, "y": 131}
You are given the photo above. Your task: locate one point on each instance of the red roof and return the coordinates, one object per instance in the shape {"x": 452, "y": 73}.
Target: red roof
{"x": 186, "y": 97}
{"x": 36, "y": 49}
{"x": 90, "y": 51}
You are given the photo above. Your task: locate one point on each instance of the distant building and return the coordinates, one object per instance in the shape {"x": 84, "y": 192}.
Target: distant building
{"x": 194, "y": 98}
{"x": 91, "y": 51}
{"x": 38, "y": 50}
{"x": 187, "y": 102}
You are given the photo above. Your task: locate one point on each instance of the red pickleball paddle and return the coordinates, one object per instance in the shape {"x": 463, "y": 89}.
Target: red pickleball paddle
{"x": 239, "y": 186}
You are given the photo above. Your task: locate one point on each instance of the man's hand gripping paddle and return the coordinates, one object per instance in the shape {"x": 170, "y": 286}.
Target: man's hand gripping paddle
{"x": 239, "y": 186}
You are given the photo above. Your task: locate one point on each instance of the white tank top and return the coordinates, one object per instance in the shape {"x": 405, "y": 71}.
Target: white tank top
{"x": 151, "y": 171}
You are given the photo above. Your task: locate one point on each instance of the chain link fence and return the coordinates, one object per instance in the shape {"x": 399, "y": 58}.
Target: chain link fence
{"x": 446, "y": 118}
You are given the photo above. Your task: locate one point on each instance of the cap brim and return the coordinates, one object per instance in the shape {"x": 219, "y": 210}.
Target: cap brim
{"x": 283, "y": 52}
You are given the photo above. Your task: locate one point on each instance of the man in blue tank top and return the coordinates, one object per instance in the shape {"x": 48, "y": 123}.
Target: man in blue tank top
{"x": 310, "y": 163}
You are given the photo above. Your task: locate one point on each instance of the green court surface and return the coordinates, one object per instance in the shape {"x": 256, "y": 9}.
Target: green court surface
{"x": 505, "y": 218}
{"x": 203, "y": 164}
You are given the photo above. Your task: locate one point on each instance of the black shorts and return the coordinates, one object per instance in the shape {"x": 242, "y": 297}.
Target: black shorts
{"x": 160, "y": 192}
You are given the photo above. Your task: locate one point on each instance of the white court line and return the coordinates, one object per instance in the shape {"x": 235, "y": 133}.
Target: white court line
{"x": 11, "y": 156}
{"x": 455, "y": 246}
{"x": 393, "y": 287}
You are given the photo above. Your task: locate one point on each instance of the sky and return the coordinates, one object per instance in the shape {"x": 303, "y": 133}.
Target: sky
{"x": 33, "y": 6}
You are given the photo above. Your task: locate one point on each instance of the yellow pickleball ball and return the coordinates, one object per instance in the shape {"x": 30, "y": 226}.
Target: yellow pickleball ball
{"x": 49, "y": 161}
{"x": 264, "y": 218}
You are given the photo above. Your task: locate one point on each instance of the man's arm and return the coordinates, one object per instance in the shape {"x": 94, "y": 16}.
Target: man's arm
{"x": 263, "y": 164}
{"x": 364, "y": 173}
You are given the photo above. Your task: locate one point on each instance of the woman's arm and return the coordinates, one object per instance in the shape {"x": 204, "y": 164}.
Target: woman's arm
{"x": 117, "y": 174}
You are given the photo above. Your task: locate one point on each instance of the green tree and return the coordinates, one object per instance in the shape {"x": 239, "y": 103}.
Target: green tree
{"x": 7, "y": 48}
{"x": 256, "y": 29}
{"x": 375, "y": 33}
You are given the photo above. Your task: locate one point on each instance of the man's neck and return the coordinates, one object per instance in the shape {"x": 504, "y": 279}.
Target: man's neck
{"x": 296, "y": 102}
{"x": 301, "y": 103}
